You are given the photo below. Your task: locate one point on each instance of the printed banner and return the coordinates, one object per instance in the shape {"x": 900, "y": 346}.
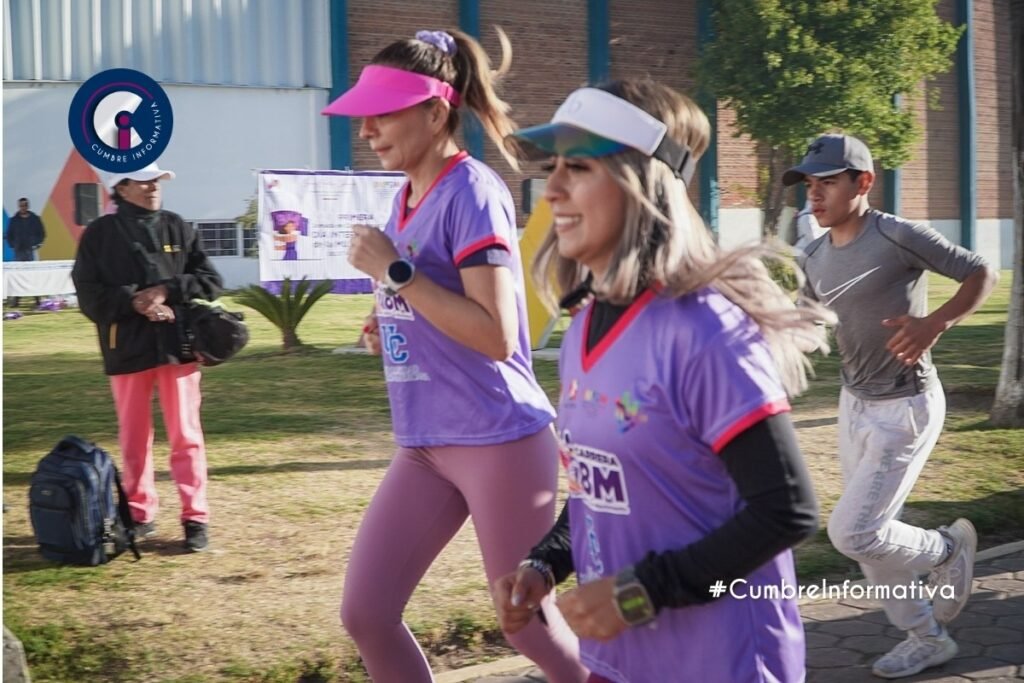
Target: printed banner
{"x": 306, "y": 220}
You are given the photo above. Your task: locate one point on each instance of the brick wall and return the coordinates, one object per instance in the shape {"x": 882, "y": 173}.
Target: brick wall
{"x": 931, "y": 178}
{"x": 737, "y": 164}
{"x": 993, "y": 90}
{"x": 549, "y": 60}
{"x": 373, "y": 25}
{"x": 659, "y": 39}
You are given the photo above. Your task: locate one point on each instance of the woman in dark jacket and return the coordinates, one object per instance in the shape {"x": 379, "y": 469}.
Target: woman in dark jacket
{"x": 132, "y": 268}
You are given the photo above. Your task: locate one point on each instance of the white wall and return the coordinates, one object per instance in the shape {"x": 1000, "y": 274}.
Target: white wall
{"x": 237, "y": 271}
{"x": 221, "y": 136}
{"x": 738, "y": 226}
{"x": 995, "y": 241}
{"x": 950, "y": 229}
{"x": 993, "y": 238}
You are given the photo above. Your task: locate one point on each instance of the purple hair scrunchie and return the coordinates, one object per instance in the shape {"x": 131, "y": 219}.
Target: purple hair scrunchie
{"x": 442, "y": 40}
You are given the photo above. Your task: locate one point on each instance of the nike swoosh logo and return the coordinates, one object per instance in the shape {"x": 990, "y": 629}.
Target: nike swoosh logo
{"x": 841, "y": 289}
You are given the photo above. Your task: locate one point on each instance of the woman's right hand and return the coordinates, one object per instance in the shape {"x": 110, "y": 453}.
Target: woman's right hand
{"x": 371, "y": 334}
{"x": 159, "y": 313}
{"x": 517, "y": 598}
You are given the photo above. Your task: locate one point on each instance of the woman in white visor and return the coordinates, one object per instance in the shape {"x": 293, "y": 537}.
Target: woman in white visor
{"x": 686, "y": 486}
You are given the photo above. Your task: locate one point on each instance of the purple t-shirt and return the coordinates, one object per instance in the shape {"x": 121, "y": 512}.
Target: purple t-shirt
{"x": 643, "y": 417}
{"x": 443, "y": 393}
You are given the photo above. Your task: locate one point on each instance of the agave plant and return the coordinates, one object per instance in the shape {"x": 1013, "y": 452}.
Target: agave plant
{"x": 287, "y": 309}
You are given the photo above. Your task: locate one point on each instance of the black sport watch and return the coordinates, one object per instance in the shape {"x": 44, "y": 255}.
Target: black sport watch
{"x": 632, "y": 600}
{"x": 399, "y": 274}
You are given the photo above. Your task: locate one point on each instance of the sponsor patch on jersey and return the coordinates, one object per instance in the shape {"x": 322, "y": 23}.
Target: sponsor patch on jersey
{"x": 393, "y": 306}
{"x": 597, "y": 477}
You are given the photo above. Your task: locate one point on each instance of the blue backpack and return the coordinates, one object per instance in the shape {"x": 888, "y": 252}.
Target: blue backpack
{"x": 71, "y": 503}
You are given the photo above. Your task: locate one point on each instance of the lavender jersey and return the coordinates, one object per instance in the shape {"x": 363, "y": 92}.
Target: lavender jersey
{"x": 643, "y": 417}
{"x": 441, "y": 392}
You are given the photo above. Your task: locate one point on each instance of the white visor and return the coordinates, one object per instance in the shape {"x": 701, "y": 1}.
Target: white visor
{"x": 595, "y": 123}
{"x": 150, "y": 172}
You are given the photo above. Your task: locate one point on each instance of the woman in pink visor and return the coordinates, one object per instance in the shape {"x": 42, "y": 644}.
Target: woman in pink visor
{"x": 472, "y": 425}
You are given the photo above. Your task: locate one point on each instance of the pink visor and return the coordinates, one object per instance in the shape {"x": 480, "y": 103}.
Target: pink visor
{"x": 384, "y": 89}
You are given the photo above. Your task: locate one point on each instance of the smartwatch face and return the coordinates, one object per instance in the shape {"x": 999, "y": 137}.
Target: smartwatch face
{"x": 400, "y": 272}
{"x": 633, "y": 604}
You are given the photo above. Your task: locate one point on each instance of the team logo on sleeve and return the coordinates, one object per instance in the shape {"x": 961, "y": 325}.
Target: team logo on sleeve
{"x": 120, "y": 120}
{"x": 597, "y": 477}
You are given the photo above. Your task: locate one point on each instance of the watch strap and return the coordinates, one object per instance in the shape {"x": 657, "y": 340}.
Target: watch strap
{"x": 542, "y": 568}
{"x": 632, "y": 600}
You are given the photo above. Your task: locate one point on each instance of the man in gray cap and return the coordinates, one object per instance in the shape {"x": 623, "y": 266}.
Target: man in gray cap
{"x": 870, "y": 269}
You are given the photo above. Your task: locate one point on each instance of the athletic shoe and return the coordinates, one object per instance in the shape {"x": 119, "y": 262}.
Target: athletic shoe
{"x": 195, "y": 536}
{"x": 956, "y": 571}
{"x": 145, "y": 529}
{"x": 915, "y": 654}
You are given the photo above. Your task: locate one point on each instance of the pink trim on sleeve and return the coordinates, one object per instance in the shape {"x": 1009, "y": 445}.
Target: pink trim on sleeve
{"x": 488, "y": 241}
{"x": 749, "y": 420}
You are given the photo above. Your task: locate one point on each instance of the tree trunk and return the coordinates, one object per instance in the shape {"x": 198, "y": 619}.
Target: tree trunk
{"x": 774, "y": 194}
{"x": 1008, "y": 408}
{"x": 290, "y": 339}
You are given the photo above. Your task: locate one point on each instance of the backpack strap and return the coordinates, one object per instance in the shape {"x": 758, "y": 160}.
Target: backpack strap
{"x": 185, "y": 333}
{"x": 124, "y": 512}
{"x": 142, "y": 256}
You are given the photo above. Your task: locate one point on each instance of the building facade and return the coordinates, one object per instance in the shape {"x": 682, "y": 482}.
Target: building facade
{"x": 248, "y": 78}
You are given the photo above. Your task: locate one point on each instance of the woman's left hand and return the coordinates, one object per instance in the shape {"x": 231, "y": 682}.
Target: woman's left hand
{"x": 591, "y": 612}
{"x": 371, "y": 251}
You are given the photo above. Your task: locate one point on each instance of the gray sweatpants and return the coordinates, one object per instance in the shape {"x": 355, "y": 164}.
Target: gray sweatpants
{"x": 883, "y": 445}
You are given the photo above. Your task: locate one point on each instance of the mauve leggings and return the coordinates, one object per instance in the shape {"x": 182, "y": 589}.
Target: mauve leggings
{"x": 427, "y": 493}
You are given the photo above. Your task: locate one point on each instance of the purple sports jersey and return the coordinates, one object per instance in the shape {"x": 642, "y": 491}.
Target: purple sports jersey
{"x": 441, "y": 392}
{"x": 643, "y": 417}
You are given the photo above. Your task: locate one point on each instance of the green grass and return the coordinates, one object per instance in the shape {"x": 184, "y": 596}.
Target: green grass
{"x": 297, "y": 443}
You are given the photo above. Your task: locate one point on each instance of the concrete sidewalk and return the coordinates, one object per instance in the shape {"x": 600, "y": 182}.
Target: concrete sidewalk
{"x": 845, "y": 637}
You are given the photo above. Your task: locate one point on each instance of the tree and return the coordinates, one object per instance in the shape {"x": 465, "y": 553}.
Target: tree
{"x": 250, "y": 221}
{"x": 793, "y": 69}
{"x": 287, "y": 310}
{"x": 1008, "y": 408}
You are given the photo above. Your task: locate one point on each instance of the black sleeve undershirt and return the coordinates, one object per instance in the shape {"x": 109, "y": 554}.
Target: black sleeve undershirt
{"x": 781, "y": 511}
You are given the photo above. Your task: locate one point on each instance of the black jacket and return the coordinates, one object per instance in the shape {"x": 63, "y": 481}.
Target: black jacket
{"x": 116, "y": 258}
{"x": 25, "y": 233}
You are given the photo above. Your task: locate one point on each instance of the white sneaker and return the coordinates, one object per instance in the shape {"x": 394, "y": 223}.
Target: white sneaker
{"x": 956, "y": 571}
{"x": 915, "y": 654}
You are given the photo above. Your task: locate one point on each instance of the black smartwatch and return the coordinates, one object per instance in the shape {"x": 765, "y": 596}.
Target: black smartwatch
{"x": 399, "y": 274}
{"x": 632, "y": 600}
